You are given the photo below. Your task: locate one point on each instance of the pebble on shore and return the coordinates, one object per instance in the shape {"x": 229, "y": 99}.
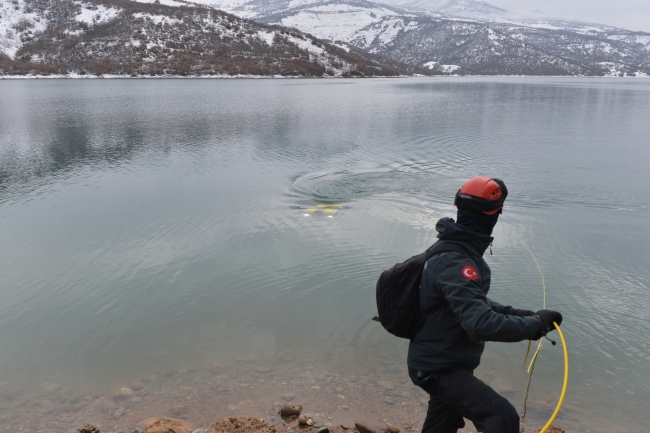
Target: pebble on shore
{"x": 290, "y": 410}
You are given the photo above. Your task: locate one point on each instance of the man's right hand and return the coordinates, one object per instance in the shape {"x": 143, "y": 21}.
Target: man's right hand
{"x": 547, "y": 317}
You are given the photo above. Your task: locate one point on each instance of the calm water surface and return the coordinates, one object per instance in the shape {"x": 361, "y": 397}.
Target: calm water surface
{"x": 156, "y": 225}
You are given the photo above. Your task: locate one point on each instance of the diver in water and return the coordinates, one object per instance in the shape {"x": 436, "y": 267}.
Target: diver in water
{"x": 460, "y": 318}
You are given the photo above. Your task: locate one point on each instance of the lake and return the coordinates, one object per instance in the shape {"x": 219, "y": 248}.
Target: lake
{"x": 163, "y": 235}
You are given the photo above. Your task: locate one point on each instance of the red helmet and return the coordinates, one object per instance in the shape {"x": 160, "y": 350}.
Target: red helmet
{"x": 482, "y": 194}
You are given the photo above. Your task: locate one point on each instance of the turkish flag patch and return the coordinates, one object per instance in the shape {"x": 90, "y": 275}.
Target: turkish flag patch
{"x": 470, "y": 273}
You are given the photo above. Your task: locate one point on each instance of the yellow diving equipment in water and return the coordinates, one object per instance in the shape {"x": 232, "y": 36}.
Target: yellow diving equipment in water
{"x": 323, "y": 209}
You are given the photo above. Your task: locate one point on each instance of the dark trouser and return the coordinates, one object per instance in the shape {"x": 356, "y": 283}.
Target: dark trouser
{"x": 456, "y": 394}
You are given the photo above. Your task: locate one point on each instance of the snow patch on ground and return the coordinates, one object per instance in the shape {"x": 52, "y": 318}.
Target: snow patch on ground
{"x": 266, "y": 37}
{"x": 158, "y": 19}
{"x": 448, "y": 69}
{"x": 306, "y": 45}
{"x": 430, "y": 65}
{"x": 635, "y": 39}
{"x": 341, "y": 46}
{"x": 99, "y": 15}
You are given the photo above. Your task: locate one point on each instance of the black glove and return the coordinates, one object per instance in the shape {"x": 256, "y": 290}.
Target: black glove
{"x": 521, "y": 313}
{"x": 547, "y": 317}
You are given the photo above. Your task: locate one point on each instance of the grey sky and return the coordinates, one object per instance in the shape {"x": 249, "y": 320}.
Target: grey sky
{"x": 628, "y": 14}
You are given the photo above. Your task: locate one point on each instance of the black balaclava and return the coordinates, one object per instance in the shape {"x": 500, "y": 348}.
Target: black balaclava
{"x": 477, "y": 221}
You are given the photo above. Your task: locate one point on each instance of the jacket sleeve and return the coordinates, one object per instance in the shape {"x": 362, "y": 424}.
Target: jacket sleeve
{"x": 473, "y": 309}
{"x": 503, "y": 309}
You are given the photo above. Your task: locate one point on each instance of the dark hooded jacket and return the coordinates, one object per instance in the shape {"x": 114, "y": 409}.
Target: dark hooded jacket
{"x": 461, "y": 318}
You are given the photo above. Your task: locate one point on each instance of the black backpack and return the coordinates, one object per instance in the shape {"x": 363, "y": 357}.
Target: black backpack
{"x": 398, "y": 293}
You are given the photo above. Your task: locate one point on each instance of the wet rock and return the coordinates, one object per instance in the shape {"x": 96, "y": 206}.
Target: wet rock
{"x": 288, "y": 396}
{"x": 166, "y": 425}
{"x": 302, "y": 420}
{"x": 274, "y": 420}
{"x": 369, "y": 426}
{"x": 89, "y": 428}
{"x": 232, "y": 407}
{"x": 118, "y": 413}
{"x": 345, "y": 407}
{"x": 123, "y": 393}
{"x": 320, "y": 377}
{"x": 308, "y": 374}
{"x": 290, "y": 410}
{"x": 262, "y": 369}
{"x": 502, "y": 386}
{"x": 386, "y": 384}
{"x": 409, "y": 426}
{"x": 178, "y": 410}
{"x": 199, "y": 430}
{"x": 393, "y": 429}
{"x": 137, "y": 386}
{"x": 323, "y": 430}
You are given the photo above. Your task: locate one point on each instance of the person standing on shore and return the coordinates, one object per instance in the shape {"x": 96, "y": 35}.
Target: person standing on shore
{"x": 460, "y": 318}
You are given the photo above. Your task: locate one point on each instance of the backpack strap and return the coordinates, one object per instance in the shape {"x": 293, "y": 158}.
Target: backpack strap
{"x": 441, "y": 248}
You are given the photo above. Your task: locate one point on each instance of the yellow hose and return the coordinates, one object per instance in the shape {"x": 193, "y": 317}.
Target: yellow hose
{"x": 529, "y": 370}
{"x": 564, "y": 385}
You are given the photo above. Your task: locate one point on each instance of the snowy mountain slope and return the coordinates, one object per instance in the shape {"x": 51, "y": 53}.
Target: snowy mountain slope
{"x": 494, "y": 45}
{"x": 471, "y": 46}
{"x": 605, "y": 46}
{"x": 121, "y": 37}
{"x": 334, "y": 20}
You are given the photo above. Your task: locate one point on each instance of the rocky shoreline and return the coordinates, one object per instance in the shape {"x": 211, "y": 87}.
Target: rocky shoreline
{"x": 378, "y": 391}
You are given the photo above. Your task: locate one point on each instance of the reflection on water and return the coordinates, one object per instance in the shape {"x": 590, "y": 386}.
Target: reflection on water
{"x": 151, "y": 227}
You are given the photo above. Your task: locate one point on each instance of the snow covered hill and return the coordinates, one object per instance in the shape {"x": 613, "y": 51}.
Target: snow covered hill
{"x": 448, "y": 36}
{"x": 122, "y": 37}
{"x": 490, "y": 44}
{"x": 335, "y": 20}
